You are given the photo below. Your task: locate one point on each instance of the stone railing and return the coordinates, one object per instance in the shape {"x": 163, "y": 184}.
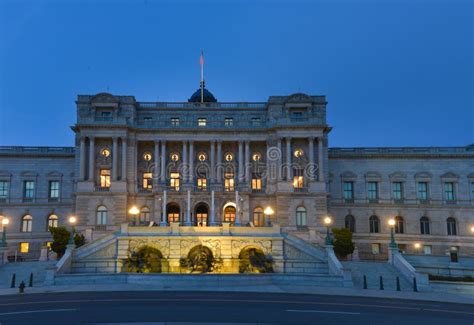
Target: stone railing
{"x": 62, "y": 266}
{"x": 407, "y": 270}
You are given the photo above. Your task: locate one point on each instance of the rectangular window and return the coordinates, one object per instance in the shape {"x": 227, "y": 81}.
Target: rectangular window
{"x": 148, "y": 181}
{"x": 298, "y": 179}
{"x": 105, "y": 178}
{"x": 174, "y": 181}
{"x": 229, "y": 181}
{"x": 256, "y": 183}
{"x": 397, "y": 190}
{"x": 147, "y": 118}
{"x": 202, "y": 184}
{"x": 427, "y": 249}
{"x": 255, "y": 121}
{"x": 422, "y": 191}
{"x": 106, "y": 114}
{"x": 449, "y": 191}
{"x": 175, "y": 121}
{"x": 348, "y": 188}
{"x": 4, "y": 187}
{"x": 372, "y": 190}
{"x": 376, "y": 249}
{"x": 202, "y": 121}
{"x": 29, "y": 190}
{"x": 54, "y": 189}
{"x": 228, "y": 121}
{"x": 24, "y": 247}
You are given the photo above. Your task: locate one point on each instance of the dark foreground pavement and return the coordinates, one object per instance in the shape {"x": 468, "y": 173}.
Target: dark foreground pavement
{"x": 223, "y": 308}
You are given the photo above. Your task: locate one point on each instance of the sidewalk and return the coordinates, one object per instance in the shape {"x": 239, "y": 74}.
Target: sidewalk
{"x": 420, "y": 296}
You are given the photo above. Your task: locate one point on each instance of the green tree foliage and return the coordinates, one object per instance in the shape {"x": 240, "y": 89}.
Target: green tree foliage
{"x": 61, "y": 238}
{"x": 343, "y": 244}
{"x": 252, "y": 260}
{"x": 146, "y": 260}
{"x": 79, "y": 240}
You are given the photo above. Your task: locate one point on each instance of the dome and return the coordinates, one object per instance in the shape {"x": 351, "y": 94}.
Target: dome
{"x": 208, "y": 97}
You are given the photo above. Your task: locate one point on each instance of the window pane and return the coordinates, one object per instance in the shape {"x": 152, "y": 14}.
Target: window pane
{"x": 422, "y": 191}
{"x": 4, "y": 186}
{"x": 449, "y": 191}
{"x": 397, "y": 190}
{"x": 348, "y": 190}
{"x": 24, "y": 247}
{"x": 54, "y": 189}
{"x": 372, "y": 190}
{"x": 105, "y": 178}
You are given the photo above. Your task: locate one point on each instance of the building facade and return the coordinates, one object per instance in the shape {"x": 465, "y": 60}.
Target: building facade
{"x": 203, "y": 163}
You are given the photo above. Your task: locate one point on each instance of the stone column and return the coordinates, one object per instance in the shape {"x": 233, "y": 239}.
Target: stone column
{"x": 188, "y": 210}
{"x": 320, "y": 159}
{"x": 124, "y": 160}
{"x": 241, "y": 163}
{"x": 237, "y": 209}
{"x": 279, "y": 162}
{"x": 164, "y": 219}
{"x": 163, "y": 161}
{"x": 219, "y": 161}
{"x": 288, "y": 159}
{"x": 191, "y": 162}
{"x": 156, "y": 161}
{"x": 247, "y": 162}
{"x": 114, "y": 158}
{"x": 311, "y": 157}
{"x": 91, "y": 159}
{"x": 212, "y": 221}
{"x": 213, "y": 161}
{"x": 184, "y": 165}
{"x": 82, "y": 159}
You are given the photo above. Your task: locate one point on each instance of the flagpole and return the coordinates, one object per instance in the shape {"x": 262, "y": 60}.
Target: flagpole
{"x": 202, "y": 77}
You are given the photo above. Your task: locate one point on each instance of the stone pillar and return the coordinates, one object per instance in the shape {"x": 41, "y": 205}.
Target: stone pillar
{"x": 91, "y": 159}
{"x": 184, "y": 169}
{"x": 320, "y": 159}
{"x": 288, "y": 159}
{"x": 156, "y": 161}
{"x": 241, "y": 163}
{"x": 188, "y": 210}
{"x": 163, "y": 161}
{"x": 237, "y": 209}
{"x": 212, "y": 221}
{"x": 124, "y": 160}
{"x": 114, "y": 158}
{"x": 247, "y": 162}
{"x": 164, "y": 219}
{"x": 279, "y": 162}
{"x": 311, "y": 157}
{"x": 213, "y": 161}
{"x": 219, "y": 162}
{"x": 191, "y": 162}
{"x": 82, "y": 159}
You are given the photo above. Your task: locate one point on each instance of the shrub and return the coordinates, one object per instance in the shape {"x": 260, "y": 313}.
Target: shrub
{"x": 343, "y": 244}
{"x": 61, "y": 238}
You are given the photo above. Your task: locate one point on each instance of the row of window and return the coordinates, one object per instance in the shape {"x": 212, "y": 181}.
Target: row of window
{"x": 422, "y": 191}
{"x": 374, "y": 225}
{"x": 27, "y": 222}
{"x": 202, "y": 121}
{"x": 29, "y": 190}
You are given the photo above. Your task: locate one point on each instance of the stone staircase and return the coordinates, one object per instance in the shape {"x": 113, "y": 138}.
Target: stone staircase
{"x": 23, "y": 271}
{"x": 302, "y": 257}
{"x": 373, "y": 271}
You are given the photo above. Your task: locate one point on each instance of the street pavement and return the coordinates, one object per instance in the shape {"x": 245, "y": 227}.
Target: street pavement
{"x": 161, "y": 307}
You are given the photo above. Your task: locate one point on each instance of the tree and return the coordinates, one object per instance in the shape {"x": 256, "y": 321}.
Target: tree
{"x": 61, "y": 238}
{"x": 343, "y": 244}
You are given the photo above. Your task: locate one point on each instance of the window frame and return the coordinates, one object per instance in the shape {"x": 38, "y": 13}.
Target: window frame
{"x": 101, "y": 215}
{"x": 26, "y": 223}
{"x": 425, "y": 226}
{"x": 374, "y": 224}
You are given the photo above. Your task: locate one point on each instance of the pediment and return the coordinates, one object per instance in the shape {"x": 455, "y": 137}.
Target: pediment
{"x": 348, "y": 174}
{"x": 5, "y": 174}
{"x": 54, "y": 174}
{"x": 104, "y": 98}
{"x": 397, "y": 175}
{"x": 29, "y": 174}
{"x": 299, "y": 98}
{"x": 373, "y": 175}
{"x": 449, "y": 175}
{"x": 423, "y": 175}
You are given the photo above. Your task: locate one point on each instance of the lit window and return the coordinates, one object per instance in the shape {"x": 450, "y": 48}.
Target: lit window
{"x": 147, "y": 181}
{"x": 258, "y": 217}
{"x": 29, "y": 190}
{"x": 147, "y": 156}
{"x": 348, "y": 190}
{"x": 451, "y": 225}
{"x": 53, "y": 221}
{"x": 300, "y": 216}
{"x": 372, "y": 190}
{"x": 228, "y": 121}
{"x": 202, "y": 184}
{"x": 4, "y": 187}
{"x": 174, "y": 156}
{"x": 229, "y": 157}
{"x": 298, "y": 179}
{"x": 101, "y": 215}
{"x": 256, "y": 156}
{"x": 174, "y": 181}
{"x": 422, "y": 191}
{"x": 202, "y": 156}
{"x": 424, "y": 226}
{"x": 229, "y": 181}
{"x": 48, "y": 244}
{"x": 105, "y": 153}
{"x": 27, "y": 223}
{"x": 256, "y": 183}
{"x": 202, "y": 121}
{"x": 374, "y": 224}
{"x": 449, "y": 191}
{"x": 175, "y": 121}
{"x": 173, "y": 213}
{"x": 397, "y": 190}
{"x": 298, "y": 153}
{"x": 229, "y": 214}
{"x": 24, "y": 247}
{"x": 54, "y": 189}
{"x": 375, "y": 249}
{"x": 105, "y": 178}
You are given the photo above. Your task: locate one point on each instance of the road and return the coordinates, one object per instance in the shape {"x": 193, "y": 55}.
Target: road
{"x": 223, "y": 308}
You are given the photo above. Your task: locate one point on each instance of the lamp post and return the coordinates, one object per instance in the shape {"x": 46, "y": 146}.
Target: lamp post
{"x": 472, "y": 230}
{"x": 417, "y": 246}
{"x": 268, "y": 212}
{"x": 134, "y": 212}
{"x": 391, "y": 223}
{"x": 72, "y": 221}
{"x": 5, "y": 222}
{"x": 327, "y": 222}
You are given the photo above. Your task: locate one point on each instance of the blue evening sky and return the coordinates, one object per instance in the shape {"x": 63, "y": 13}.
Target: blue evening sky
{"x": 395, "y": 73}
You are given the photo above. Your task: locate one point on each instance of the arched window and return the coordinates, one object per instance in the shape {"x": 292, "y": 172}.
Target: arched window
{"x": 53, "y": 221}
{"x": 27, "y": 223}
{"x": 258, "y": 218}
{"x": 229, "y": 214}
{"x": 424, "y": 226}
{"x": 451, "y": 224}
{"x": 399, "y": 225}
{"x": 350, "y": 223}
{"x": 101, "y": 215}
{"x": 374, "y": 224}
{"x": 301, "y": 217}
{"x": 144, "y": 216}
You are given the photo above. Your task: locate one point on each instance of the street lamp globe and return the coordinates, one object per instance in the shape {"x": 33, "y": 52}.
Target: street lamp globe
{"x": 72, "y": 220}
{"x": 134, "y": 210}
{"x": 417, "y": 245}
{"x": 327, "y": 220}
{"x": 268, "y": 211}
{"x": 391, "y": 222}
{"x": 472, "y": 229}
{"x": 5, "y": 221}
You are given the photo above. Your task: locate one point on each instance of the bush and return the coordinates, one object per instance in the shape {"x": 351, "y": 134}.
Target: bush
{"x": 61, "y": 238}
{"x": 79, "y": 240}
{"x": 343, "y": 244}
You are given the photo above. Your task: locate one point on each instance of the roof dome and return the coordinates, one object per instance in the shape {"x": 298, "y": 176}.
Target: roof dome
{"x": 208, "y": 97}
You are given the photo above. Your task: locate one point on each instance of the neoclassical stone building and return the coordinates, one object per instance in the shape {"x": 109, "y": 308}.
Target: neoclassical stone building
{"x": 203, "y": 163}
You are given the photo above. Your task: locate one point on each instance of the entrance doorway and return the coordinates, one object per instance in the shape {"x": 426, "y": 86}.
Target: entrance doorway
{"x": 172, "y": 210}
{"x": 201, "y": 213}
